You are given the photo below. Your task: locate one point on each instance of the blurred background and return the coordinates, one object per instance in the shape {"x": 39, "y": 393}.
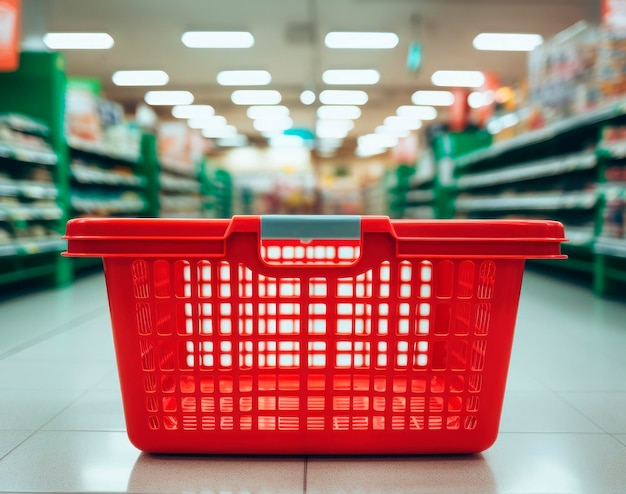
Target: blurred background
{"x": 409, "y": 108}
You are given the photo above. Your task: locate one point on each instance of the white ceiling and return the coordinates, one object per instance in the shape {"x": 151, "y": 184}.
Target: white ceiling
{"x": 289, "y": 37}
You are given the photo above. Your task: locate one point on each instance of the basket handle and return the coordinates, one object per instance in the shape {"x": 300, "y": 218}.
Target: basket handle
{"x": 301, "y": 227}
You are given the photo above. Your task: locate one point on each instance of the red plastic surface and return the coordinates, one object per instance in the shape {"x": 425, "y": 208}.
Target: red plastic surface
{"x": 324, "y": 347}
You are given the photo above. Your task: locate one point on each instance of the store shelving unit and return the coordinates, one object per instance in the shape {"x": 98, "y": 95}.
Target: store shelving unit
{"x": 396, "y": 183}
{"x": 561, "y": 172}
{"x": 567, "y": 171}
{"x": 34, "y": 195}
{"x": 179, "y": 190}
{"x": 105, "y": 184}
{"x": 374, "y": 198}
{"x": 217, "y": 192}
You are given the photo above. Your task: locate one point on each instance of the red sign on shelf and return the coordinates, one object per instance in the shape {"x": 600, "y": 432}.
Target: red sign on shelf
{"x": 9, "y": 34}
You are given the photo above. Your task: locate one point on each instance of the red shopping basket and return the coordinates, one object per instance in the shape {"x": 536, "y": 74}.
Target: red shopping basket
{"x": 313, "y": 335}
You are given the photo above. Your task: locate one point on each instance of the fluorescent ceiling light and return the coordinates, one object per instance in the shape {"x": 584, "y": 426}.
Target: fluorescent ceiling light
{"x": 78, "y": 41}
{"x": 351, "y": 77}
{"x": 368, "y": 152}
{"x": 393, "y": 131}
{"x": 335, "y": 124}
{"x": 286, "y": 141}
{"x": 458, "y": 78}
{"x": 341, "y": 97}
{"x": 214, "y": 122}
{"x": 478, "y": 99}
{"x": 272, "y": 133}
{"x": 369, "y": 141}
{"x": 361, "y": 40}
{"x": 140, "y": 78}
{"x": 168, "y": 98}
{"x": 235, "y": 141}
{"x": 333, "y": 129}
{"x": 338, "y": 112}
{"x": 193, "y": 111}
{"x": 270, "y": 111}
{"x": 408, "y": 123}
{"x": 417, "y": 112}
{"x": 507, "y": 41}
{"x": 221, "y": 132}
{"x": 256, "y": 97}
{"x": 307, "y": 97}
{"x": 433, "y": 98}
{"x": 329, "y": 143}
{"x": 218, "y": 39}
{"x": 244, "y": 78}
{"x": 273, "y": 124}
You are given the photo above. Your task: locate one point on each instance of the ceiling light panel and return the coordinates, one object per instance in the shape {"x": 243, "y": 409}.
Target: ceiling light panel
{"x": 433, "y": 98}
{"x": 361, "y": 40}
{"x": 253, "y": 97}
{"x": 218, "y": 39}
{"x": 352, "y": 77}
{"x": 244, "y": 78}
{"x": 220, "y": 132}
{"x": 383, "y": 129}
{"x": 403, "y": 123}
{"x": 507, "y": 41}
{"x": 333, "y": 129}
{"x": 286, "y": 141}
{"x": 329, "y": 143}
{"x": 307, "y": 97}
{"x": 214, "y": 122}
{"x": 273, "y": 124}
{"x": 168, "y": 98}
{"x": 193, "y": 111}
{"x": 458, "y": 78}
{"x": 417, "y": 112}
{"x": 343, "y": 97}
{"x": 338, "y": 112}
{"x": 78, "y": 41}
{"x": 336, "y": 124}
{"x": 377, "y": 141}
{"x": 368, "y": 152}
{"x": 270, "y": 111}
{"x": 140, "y": 78}
{"x": 235, "y": 141}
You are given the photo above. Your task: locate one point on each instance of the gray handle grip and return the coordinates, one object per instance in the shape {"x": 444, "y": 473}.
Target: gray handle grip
{"x": 310, "y": 227}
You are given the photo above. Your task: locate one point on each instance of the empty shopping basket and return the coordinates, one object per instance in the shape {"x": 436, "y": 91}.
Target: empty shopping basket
{"x": 313, "y": 335}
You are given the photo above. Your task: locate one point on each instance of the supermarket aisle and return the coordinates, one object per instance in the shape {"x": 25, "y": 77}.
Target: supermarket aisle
{"x": 563, "y": 427}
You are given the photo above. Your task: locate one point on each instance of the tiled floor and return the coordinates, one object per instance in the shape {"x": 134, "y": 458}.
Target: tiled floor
{"x": 563, "y": 426}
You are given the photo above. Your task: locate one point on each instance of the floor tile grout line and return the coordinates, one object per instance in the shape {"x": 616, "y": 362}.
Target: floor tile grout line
{"x": 71, "y": 324}
{"x": 32, "y": 433}
{"x": 41, "y": 427}
{"x": 614, "y": 436}
{"x": 81, "y": 395}
{"x": 562, "y": 398}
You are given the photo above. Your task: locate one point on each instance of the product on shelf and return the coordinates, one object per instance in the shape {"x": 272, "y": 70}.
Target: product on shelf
{"x": 573, "y": 76}
{"x": 562, "y": 77}
{"x": 611, "y": 69}
{"x": 24, "y": 123}
{"x": 614, "y": 218}
{"x": 5, "y": 235}
{"x": 21, "y": 131}
{"x": 97, "y": 125}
